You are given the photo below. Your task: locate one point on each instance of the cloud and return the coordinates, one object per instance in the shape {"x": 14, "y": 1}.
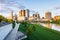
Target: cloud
{"x": 3, "y": 1}
{"x": 7, "y": 5}
{"x": 54, "y": 8}
{"x": 17, "y": 5}
{"x": 13, "y": 3}
{"x": 6, "y": 1}
{"x": 57, "y": 7}
{"x": 3, "y": 8}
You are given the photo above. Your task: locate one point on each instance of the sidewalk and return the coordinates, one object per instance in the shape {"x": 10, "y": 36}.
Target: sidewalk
{"x": 13, "y": 34}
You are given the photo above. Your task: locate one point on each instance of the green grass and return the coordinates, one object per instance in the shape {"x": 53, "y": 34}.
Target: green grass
{"x": 42, "y": 33}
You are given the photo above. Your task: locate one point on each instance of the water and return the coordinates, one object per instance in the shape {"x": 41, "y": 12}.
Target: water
{"x": 52, "y": 26}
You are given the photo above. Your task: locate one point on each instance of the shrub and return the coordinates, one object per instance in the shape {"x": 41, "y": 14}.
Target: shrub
{"x": 13, "y": 24}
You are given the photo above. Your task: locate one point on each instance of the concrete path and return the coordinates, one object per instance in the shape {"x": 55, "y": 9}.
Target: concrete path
{"x": 20, "y": 35}
{"x": 4, "y": 31}
{"x": 13, "y": 34}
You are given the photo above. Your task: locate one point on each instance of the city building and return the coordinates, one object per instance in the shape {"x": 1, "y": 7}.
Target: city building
{"x": 57, "y": 17}
{"x": 36, "y": 16}
{"x": 23, "y": 15}
{"x": 30, "y": 18}
{"x": 11, "y": 15}
{"x": 15, "y": 17}
{"x": 27, "y": 13}
{"x": 48, "y": 15}
{"x": 45, "y": 20}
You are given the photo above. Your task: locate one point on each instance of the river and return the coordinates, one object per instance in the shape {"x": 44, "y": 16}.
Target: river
{"x": 52, "y": 26}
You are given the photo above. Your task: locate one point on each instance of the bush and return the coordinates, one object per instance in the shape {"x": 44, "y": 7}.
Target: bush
{"x": 56, "y": 21}
{"x": 2, "y": 18}
{"x": 27, "y": 28}
{"x": 13, "y": 24}
{"x": 10, "y": 20}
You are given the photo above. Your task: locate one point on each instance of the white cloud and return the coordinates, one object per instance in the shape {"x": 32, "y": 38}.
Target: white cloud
{"x": 9, "y": 5}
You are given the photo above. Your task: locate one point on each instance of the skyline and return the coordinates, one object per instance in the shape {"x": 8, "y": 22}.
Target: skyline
{"x": 34, "y": 6}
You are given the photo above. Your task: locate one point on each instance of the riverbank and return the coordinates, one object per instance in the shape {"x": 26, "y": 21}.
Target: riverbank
{"x": 55, "y": 21}
{"x": 40, "y": 32}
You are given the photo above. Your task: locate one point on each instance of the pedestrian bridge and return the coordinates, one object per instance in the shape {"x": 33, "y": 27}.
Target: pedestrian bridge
{"x": 8, "y": 33}
{"x": 4, "y": 31}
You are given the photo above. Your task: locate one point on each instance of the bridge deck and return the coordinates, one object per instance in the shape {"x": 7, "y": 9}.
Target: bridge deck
{"x": 12, "y": 35}
{"x": 4, "y": 31}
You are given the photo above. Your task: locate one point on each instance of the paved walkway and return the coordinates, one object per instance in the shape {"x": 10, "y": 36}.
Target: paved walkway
{"x": 20, "y": 35}
{"x": 4, "y": 31}
{"x": 13, "y": 34}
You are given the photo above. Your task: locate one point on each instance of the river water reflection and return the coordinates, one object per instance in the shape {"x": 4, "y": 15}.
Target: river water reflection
{"x": 52, "y": 26}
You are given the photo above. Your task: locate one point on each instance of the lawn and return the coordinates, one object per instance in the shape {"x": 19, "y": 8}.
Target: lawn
{"x": 40, "y": 33}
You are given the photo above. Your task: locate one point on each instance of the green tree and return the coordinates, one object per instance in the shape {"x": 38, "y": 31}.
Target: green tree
{"x": 10, "y": 20}
{"x": 13, "y": 24}
{"x": 2, "y": 18}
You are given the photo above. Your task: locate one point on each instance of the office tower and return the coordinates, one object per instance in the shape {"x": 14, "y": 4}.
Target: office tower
{"x": 36, "y": 16}
{"x": 21, "y": 15}
{"x": 26, "y": 13}
{"x": 11, "y": 15}
{"x": 15, "y": 17}
{"x": 48, "y": 15}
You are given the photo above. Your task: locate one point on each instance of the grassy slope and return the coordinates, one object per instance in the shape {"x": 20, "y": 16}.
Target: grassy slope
{"x": 43, "y": 33}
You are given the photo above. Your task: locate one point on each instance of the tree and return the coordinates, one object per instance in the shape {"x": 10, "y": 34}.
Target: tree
{"x": 10, "y": 20}
{"x": 13, "y": 24}
{"x": 2, "y": 18}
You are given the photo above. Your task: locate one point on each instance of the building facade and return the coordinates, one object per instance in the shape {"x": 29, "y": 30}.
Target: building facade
{"x": 48, "y": 15}
{"x": 11, "y": 15}
{"x": 57, "y": 17}
{"x": 27, "y": 13}
{"x": 36, "y": 16}
{"x": 23, "y": 15}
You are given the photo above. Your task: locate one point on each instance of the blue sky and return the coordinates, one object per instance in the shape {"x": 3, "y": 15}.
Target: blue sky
{"x": 34, "y": 6}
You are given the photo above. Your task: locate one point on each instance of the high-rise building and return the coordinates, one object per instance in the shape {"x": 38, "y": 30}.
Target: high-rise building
{"x": 11, "y": 15}
{"x": 15, "y": 17}
{"x": 21, "y": 15}
{"x": 36, "y": 16}
{"x": 48, "y": 15}
{"x": 27, "y": 13}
